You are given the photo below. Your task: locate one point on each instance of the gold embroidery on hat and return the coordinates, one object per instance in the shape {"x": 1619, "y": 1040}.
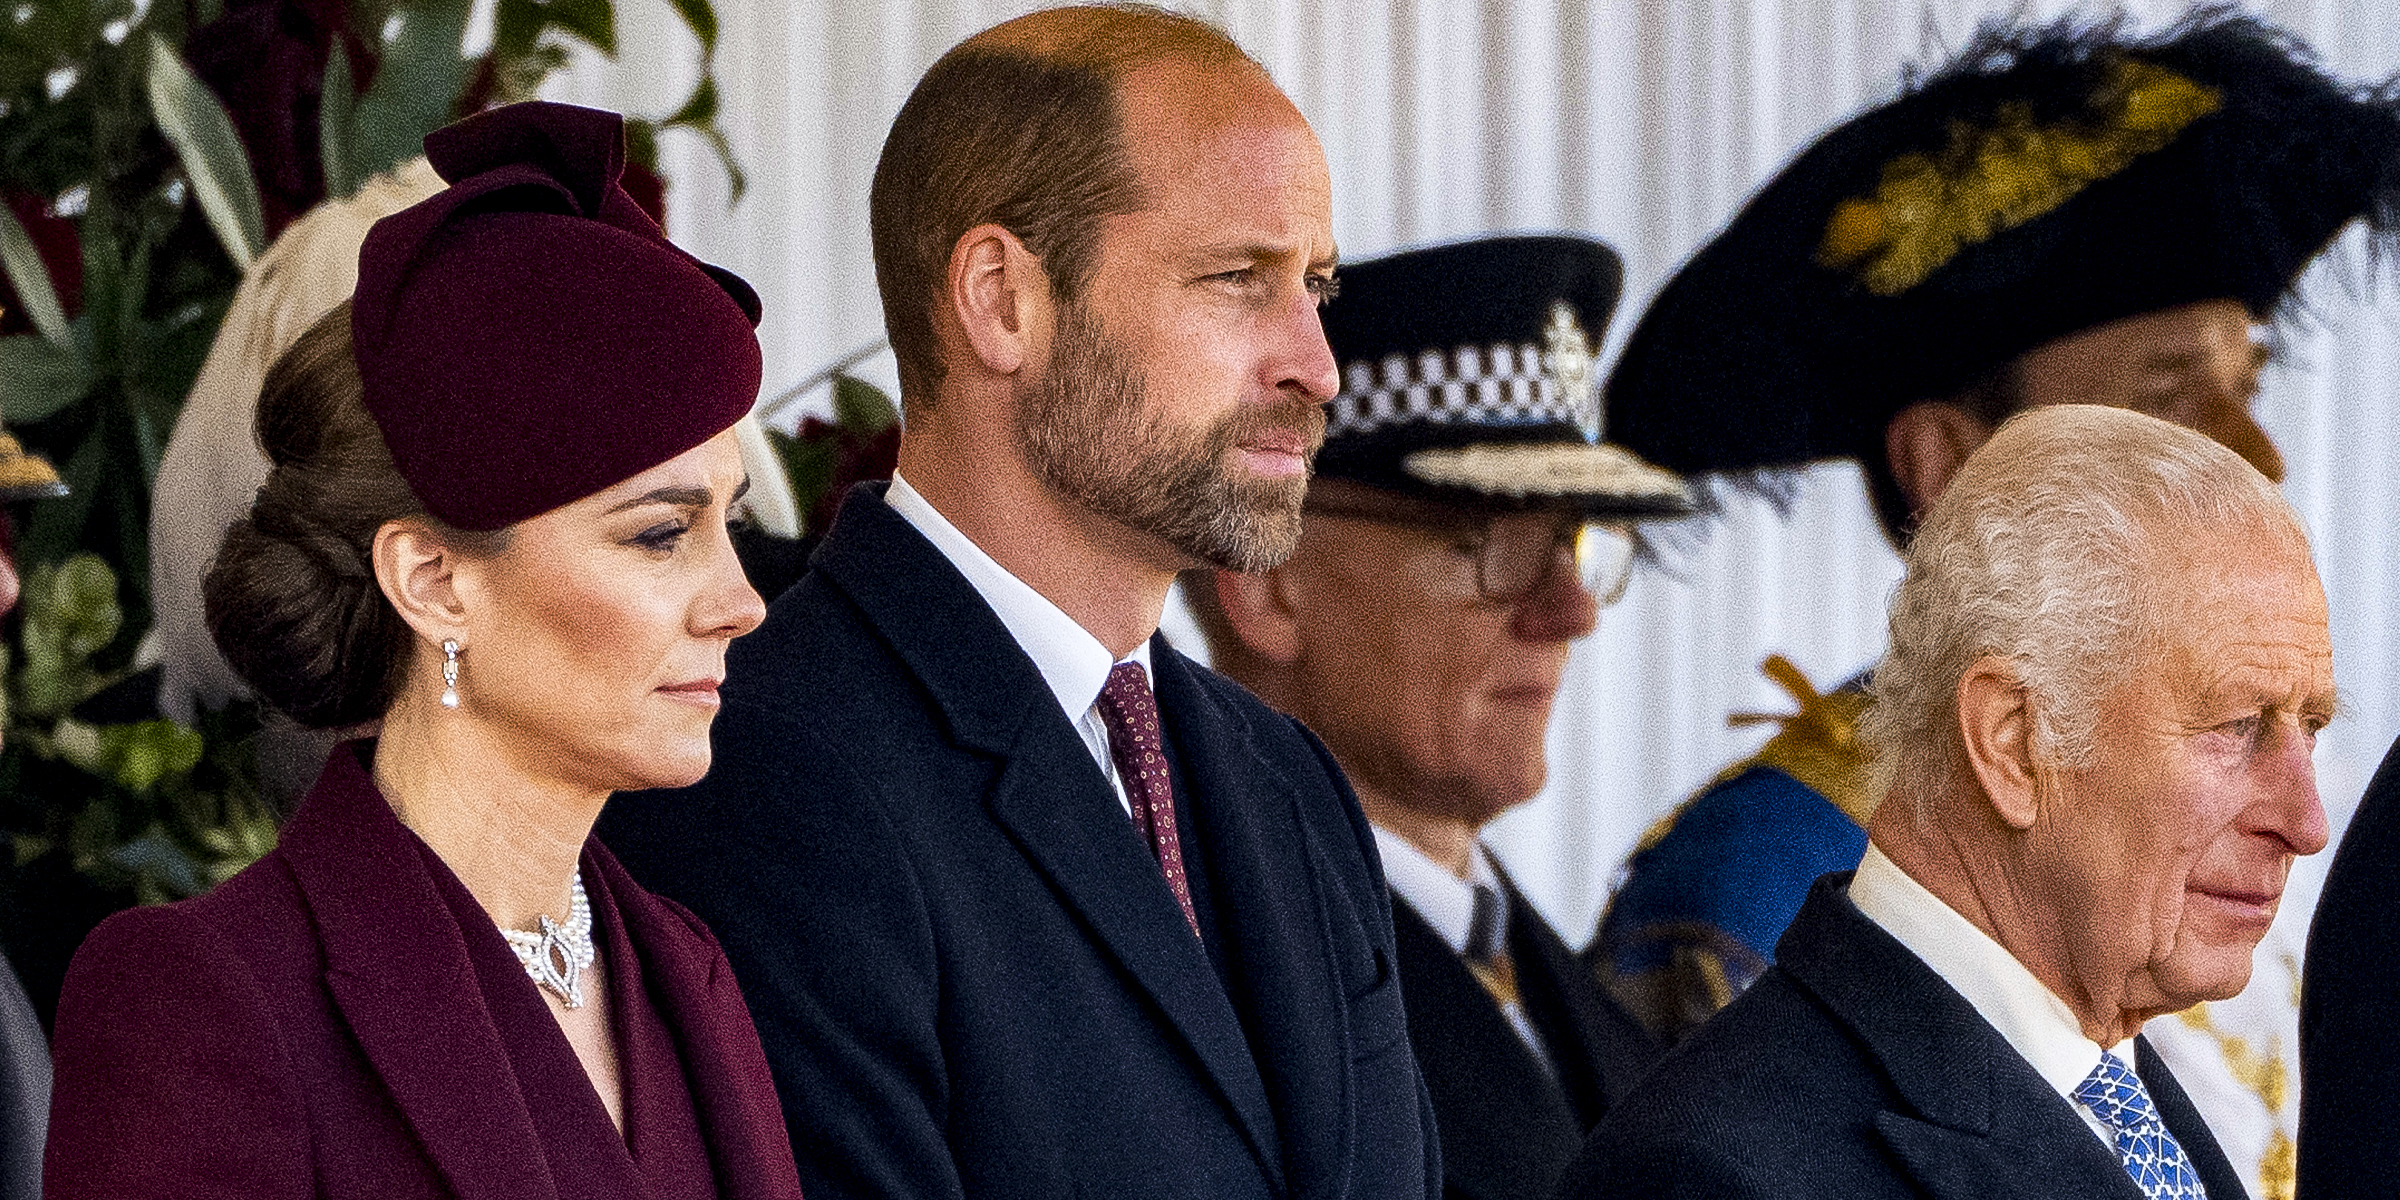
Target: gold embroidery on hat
{"x": 1989, "y": 180}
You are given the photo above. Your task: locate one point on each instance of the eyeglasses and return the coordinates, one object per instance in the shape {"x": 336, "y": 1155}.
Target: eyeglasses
{"x": 1513, "y": 553}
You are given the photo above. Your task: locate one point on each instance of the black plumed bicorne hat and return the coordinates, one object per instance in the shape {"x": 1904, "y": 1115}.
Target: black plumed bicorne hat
{"x": 2044, "y": 182}
{"x": 1468, "y": 378}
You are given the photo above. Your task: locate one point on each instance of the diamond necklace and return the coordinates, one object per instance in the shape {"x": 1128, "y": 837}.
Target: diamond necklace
{"x": 555, "y": 955}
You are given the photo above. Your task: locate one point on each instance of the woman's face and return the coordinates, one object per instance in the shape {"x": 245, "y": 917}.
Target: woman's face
{"x": 596, "y": 639}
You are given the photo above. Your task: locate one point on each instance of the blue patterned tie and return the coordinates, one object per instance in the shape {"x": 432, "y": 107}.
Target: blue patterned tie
{"x": 2158, "y": 1166}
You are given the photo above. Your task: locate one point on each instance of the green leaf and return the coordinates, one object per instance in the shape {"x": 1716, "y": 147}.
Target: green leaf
{"x": 808, "y": 464}
{"x": 333, "y": 125}
{"x": 161, "y": 869}
{"x": 38, "y": 377}
{"x": 416, "y": 87}
{"x": 213, "y": 159}
{"x": 701, "y": 19}
{"x": 595, "y": 21}
{"x": 139, "y": 755}
{"x": 861, "y": 408}
{"x": 31, "y": 279}
{"x": 700, "y": 108}
{"x": 516, "y": 25}
{"x": 56, "y": 525}
{"x": 735, "y": 182}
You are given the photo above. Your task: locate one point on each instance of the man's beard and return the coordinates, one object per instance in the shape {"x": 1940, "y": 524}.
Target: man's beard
{"x": 1085, "y": 428}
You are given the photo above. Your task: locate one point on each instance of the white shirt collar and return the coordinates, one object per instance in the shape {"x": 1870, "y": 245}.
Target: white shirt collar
{"x": 1071, "y": 660}
{"x": 1445, "y": 901}
{"x": 2034, "y": 1021}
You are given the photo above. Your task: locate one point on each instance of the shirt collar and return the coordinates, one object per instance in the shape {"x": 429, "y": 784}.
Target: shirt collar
{"x": 1071, "y": 660}
{"x": 2034, "y": 1021}
{"x": 1445, "y": 901}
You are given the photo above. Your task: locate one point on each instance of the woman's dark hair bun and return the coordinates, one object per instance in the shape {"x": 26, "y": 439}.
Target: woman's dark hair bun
{"x": 292, "y": 600}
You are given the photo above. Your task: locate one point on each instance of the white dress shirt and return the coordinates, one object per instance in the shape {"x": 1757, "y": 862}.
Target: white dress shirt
{"x": 2034, "y": 1021}
{"x": 1447, "y": 903}
{"x": 1071, "y": 660}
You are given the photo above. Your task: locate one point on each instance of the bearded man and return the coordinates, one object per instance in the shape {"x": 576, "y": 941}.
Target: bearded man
{"x": 1024, "y": 902}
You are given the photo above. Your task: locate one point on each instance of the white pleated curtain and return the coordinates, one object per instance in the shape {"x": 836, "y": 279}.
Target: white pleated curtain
{"x": 1645, "y": 123}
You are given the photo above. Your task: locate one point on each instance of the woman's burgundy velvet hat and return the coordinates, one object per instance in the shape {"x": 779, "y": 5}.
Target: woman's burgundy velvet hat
{"x": 529, "y": 336}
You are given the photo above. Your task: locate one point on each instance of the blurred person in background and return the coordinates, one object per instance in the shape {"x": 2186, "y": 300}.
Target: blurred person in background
{"x": 24, "y": 1048}
{"x": 1463, "y": 528}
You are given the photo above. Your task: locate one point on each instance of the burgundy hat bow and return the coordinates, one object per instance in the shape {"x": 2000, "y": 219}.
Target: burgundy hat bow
{"x": 528, "y": 336}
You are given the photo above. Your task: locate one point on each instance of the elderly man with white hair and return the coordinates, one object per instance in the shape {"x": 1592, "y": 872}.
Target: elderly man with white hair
{"x": 2109, "y": 664}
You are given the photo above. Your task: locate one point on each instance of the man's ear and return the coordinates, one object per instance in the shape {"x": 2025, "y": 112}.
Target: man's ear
{"x": 1000, "y": 296}
{"x": 1926, "y": 443}
{"x": 420, "y": 576}
{"x": 1259, "y": 608}
{"x": 1995, "y": 720}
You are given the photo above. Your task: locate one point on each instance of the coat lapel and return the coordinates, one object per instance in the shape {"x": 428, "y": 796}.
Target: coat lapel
{"x": 1261, "y": 856}
{"x": 1974, "y": 1119}
{"x": 700, "y": 1004}
{"x": 1598, "y": 1048}
{"x": 1506, "y": 1126}
{"x": 1050, "y": 796}
{"x": 397, "y": 966}
{"x": 2217, "y": 1172}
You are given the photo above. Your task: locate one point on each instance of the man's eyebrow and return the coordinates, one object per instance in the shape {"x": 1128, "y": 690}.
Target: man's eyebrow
{"x": 681, "y": 497}
{"x": 1259, "y": 252}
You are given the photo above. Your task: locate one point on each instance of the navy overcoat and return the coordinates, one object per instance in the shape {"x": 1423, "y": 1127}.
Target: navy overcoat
{"x": 971, "y": 977}
{"x": 1851, "y": 1071}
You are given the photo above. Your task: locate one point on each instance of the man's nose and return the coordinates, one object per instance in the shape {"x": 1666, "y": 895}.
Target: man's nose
{"x": 1302, "y": 362}
{"x": 2290, "y": 810}
{"x": 1559, "y": 608}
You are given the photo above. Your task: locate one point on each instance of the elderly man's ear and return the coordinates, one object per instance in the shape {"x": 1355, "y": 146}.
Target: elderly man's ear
{"x": 1995, "y": 720}
{"x": 1258, "y": 606}
{"x": 1926, "y": 443}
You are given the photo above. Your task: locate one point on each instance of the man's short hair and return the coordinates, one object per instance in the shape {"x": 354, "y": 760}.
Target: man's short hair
{"x": 1018, "y": 126}
{"x": 2043, "y": 552}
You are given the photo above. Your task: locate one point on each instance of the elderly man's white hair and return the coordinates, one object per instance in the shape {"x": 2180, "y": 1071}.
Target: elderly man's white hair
{"x": 2039, "y": 553}
{"x": 213, "y": 466}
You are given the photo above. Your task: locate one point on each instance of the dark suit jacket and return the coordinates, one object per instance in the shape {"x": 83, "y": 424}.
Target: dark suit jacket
{"x": 1508, "y": 1124}
{"x": 315, "y": 1027}
{"x": 2350, "y": 1008}
{"x": 1850, "y": 1071}
{"x": 970, "y": 975}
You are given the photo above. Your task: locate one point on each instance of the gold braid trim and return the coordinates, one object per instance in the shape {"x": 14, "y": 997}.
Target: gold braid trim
{"x": 1817, "y": 745}
{"x": 1986, "y": 181}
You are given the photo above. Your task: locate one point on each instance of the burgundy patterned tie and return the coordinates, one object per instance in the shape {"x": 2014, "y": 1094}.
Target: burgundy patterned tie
{"x": 1131, "y": 714}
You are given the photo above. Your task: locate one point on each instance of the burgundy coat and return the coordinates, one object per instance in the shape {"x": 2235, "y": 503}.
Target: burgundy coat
{"x": 319, "y": 1026}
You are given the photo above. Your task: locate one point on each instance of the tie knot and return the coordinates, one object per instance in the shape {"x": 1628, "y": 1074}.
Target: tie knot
{"x": 2116, "y": 1095}
{"x": 1127, "y": 705}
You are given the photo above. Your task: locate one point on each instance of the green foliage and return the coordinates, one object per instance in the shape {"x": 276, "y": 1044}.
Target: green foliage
{"x": 165, "y": 811}
{"x": 103, "y": 119}
{"x": 416, "y": 88}
{"x": 213, "y": 159}
{"x": 31, "y": 280}
{"x": 814, "y": 459}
